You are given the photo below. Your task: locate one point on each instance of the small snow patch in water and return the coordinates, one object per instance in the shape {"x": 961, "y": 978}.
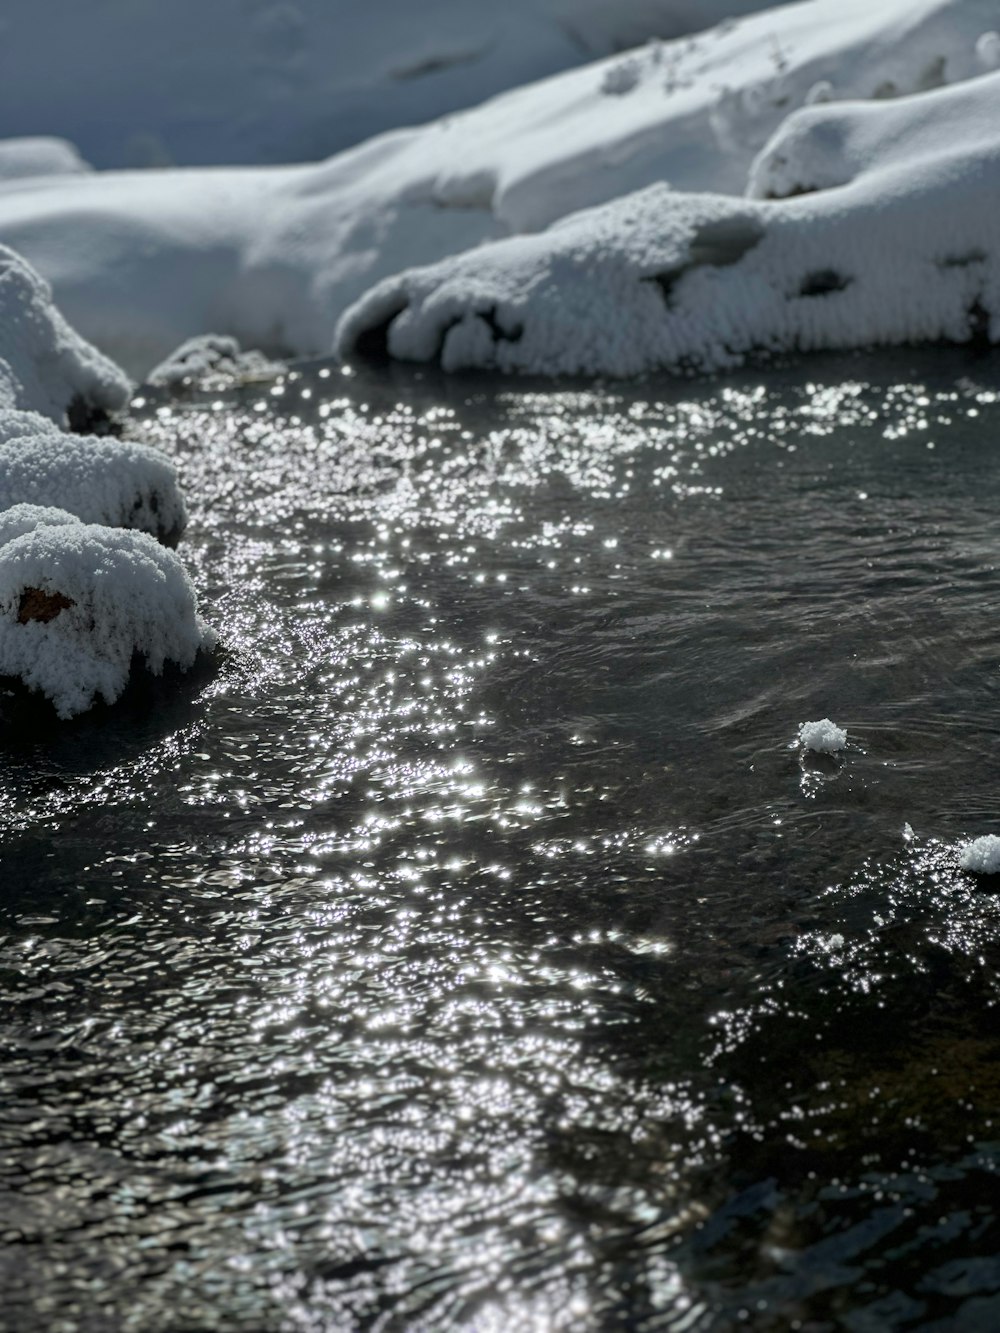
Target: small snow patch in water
{"x": 981, "y": 855}
{"x": 823, "y": 737}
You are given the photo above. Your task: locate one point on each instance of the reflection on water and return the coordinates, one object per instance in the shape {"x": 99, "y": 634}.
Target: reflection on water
{"x": 469, "y": 949}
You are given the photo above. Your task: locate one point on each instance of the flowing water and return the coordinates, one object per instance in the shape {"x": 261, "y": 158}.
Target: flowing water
{"x": 469, "y": 947}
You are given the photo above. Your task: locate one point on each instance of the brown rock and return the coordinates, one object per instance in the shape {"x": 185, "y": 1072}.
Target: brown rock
{"x": 36, "y": 604}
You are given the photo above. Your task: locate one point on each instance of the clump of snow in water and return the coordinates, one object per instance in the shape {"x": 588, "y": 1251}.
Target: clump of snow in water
{"x": 110, "y": 594}
{"x": 897, "y": 243}
{"x": 981, "y": 855}
{"x": 822, "y": 737}
{"x": 101, "y": 480}
{"x": 275, "y": 255}
{"x": 45, "y": 366}
{"x": 39, "y": 156}
{"x": 213, "y": 359}
{"x": 19, "y": 519}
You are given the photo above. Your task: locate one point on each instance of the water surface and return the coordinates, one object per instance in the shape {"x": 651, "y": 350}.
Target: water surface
{"x": 467, "y": 948}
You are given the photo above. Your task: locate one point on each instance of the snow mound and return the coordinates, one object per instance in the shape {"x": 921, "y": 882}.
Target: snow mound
{"x": 212, "y": 359}
{"x": 286, "y": 80}
{"x": 22, "y": 518}
{"x": 45, "y": 366}
{"x": 981, "y": 855}
{"x": 139, "y": 261}
{"x": 101, "y": 480}
{"x": 905, "y": 249}
{"x": 77, "y": 601}
{"x": 39, "y": 156}
{"x": 822, "y": 737}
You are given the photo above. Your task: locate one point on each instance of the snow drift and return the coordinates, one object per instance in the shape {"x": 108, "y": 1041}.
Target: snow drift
{"x": 141, "y": 260}
{"x": 897, "y": 243}
{"x": 78, "y": 601}
{"x": 290, "y": 80}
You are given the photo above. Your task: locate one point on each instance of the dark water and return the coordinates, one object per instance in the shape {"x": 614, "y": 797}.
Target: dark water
{"x": 468, "y": 949}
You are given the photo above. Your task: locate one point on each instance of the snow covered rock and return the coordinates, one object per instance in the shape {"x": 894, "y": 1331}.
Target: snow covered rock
{"x": 101, "y": 480}
{"x": 77, "y": 601}
{"x": 39, "y": 156}
{"x": 139, "y": 261}
{"x": 901, "y": 246}
{"x": 22, "y": 518}
{"x": 982, "y": 855}
{"x": 822, "y": 737}
{"x": 212, "y": 359}
{"x": 45, "y": 366}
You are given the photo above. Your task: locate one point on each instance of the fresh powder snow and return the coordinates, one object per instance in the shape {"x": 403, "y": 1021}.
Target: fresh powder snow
{"x": 77, "y": 601}
{"x": 822, "y": 737}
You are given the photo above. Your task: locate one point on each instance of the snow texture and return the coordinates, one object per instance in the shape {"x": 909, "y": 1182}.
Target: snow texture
{"x": 823, "y": 737}
{"x": 101, "y": 480}
{"x": 45, "y": 366}
{"x": 39, "y": 156}
{"x": 141, "y": 260}
{"x": 21, "y": 518}
{"x": 981, "y": 855}
{"x": 897, "y": 243}
{"x": 212, "y": 359}
{"x": 112, "y": 594}
{"x": 246, "y": 81}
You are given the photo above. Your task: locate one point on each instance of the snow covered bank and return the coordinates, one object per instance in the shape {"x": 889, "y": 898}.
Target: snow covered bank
{"x": 247, "y": 81}
{"x": 902, "y": 245}
{"x": 45, "y": 366}
{"x": 142, "y": 260}
{"x": 78, "y": 601}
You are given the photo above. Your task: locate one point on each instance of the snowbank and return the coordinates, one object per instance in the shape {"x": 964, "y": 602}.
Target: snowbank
{"x": 39, "y": 156}
{"x": 142, "y": 260}
{"x": 981, "y": 855}
{"x": 822, "y": 737}
{"x": 45, "y": 366}
{"x": 101, "y": 480}
{"x": 901, "y": 245}
{"x": 77, "y": 601}
{"x": 290, "y": 80}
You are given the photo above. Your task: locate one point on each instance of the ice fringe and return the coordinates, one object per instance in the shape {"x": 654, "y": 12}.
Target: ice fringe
{"x": 982, "y": 855}
{"x": 77, "y": 601}
{"x": 822, "y": 737}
